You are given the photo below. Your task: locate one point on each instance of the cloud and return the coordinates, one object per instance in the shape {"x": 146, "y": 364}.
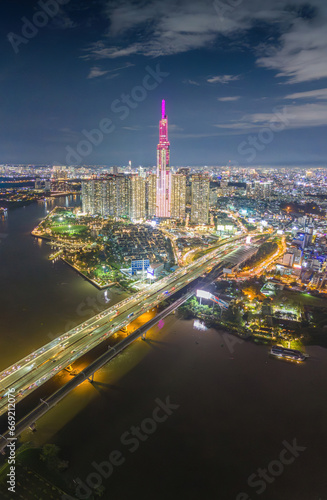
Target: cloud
{"x": 191, "y": 82}
{"x": 173, "y": 127}
{"x": 229, "y": 99}
{"x": 223, "y": 78}
{"x": 62, "y": 21}
{"x": 195, "y": 135}
{"x": 301, "y": 52}
{"x": 288, "y": 117}
{"x": 112, "y": 76}
{"x": 172, "y": 27}
{"x": 297, "y": 51}
{"x": 95, "y": 72}
{"x": 316, "y": 94}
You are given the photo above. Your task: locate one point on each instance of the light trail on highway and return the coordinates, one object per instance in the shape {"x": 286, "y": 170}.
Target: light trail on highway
{"x": 38, "y": 367}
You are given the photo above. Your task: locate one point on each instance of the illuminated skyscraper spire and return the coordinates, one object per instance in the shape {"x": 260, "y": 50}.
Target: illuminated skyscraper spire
{"x": 163, "y": 167}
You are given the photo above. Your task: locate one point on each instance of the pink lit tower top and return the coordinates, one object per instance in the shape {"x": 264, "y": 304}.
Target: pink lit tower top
{"x": 163, "y": 167}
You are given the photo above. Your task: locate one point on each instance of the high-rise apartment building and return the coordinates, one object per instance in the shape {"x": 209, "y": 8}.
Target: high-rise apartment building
{"x": 178, "y": 196}
{"x": 98, "y": 197}
{"x": 262, "y": 190}
{"x": 200, "y": 199}
{"x": 151, "y": 195}
{"x": 109, "y": 196}
{"x": 138, "y": 197}
{"x": 90, "y": 201}
{"x": 123, "y": 195}
{"x": 248, "y": 189}
{"x": 163, "y": 168}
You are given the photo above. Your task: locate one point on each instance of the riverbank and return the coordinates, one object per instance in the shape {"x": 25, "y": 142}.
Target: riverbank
{"x": 94, "y": 283}
{"x": 45, "y": 298}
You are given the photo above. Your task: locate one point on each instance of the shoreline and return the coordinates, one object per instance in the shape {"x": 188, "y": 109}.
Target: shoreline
{"x": 99, "y": 287}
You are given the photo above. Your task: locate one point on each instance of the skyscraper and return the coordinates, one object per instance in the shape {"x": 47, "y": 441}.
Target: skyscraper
{"x": 151, "y": 195}
{"x": 107, "y": 196}
{"x": 91, "y": 197}
{"x": 178, "y": 196}
{"x": 200, "y": 199}
{"x": 138, "y": 197}
{"x": 123, "y": 195}
{"x": 163, "y": 168}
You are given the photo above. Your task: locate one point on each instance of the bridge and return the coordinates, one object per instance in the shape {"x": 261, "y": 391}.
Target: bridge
{"x": 35, "y": 369}
{"x": 29, "y": 421}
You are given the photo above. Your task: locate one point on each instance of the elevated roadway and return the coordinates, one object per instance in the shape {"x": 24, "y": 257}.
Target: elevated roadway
{"x": 38, "y": 367}
{"x": 87, "y": 374}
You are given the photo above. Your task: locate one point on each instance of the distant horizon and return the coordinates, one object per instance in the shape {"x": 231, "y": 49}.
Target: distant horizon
{"x": 49, "y": 165}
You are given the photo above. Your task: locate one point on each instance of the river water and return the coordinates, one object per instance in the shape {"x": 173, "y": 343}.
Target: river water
{"x": 38, "y": 298}
{"x": 235, "y": 409}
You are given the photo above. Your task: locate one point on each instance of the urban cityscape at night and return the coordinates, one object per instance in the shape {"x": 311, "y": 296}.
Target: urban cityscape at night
{"x": 163, "y": 250}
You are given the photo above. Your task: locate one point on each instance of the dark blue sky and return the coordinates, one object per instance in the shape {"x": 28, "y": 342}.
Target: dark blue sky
{"x": 245, "y": 81}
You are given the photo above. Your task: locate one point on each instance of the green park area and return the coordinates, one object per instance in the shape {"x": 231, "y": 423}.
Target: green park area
{"x": 68, "y": 229}
{"x": 62, "y": 223}
{"x": 72, "y": 238}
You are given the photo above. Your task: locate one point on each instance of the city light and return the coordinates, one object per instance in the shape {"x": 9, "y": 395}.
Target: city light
{"x": 203, "y": 294}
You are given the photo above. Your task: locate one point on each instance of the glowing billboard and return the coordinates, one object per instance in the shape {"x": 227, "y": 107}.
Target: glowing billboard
{"x": 203, "y": 294}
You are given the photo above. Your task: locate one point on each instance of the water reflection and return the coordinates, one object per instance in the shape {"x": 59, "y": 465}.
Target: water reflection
{"x": 199, "y": 325}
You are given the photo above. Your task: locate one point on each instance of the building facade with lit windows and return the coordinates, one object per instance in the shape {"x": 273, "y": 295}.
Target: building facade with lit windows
{"x": 95, "y": 197}
{"x": 123, "y": 195}
{"x": 200, "y": 199}
{"x": 138, "y": 197}
{"x": 151, "y": 195}
{"x": 163, "y": 199}
{"x": 178, "y": 196}
{"x": 111, "y": 196}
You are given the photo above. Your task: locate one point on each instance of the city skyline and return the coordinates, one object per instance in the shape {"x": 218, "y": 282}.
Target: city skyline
{"x": 163, "y": 249}
{"x": 247, "y": 84}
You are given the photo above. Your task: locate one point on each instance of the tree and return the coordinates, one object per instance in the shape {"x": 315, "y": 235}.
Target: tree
{"x": 50, "y": 455}
{"x": 233, "y": 315}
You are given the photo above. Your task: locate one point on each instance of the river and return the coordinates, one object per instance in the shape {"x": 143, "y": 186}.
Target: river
{"x": 234, "y": 409}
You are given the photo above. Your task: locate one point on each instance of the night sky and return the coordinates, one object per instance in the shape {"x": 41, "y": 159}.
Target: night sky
{"x": 245, "y": 81}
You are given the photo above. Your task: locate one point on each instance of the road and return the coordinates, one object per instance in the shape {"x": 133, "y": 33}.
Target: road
{"x": 45, "y": 405}
{"x": 267, "y": 263}
{"x": 41, "y": 365}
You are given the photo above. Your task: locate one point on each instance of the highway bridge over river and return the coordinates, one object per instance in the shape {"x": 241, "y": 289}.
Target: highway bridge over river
{"x": 28, "y": 374}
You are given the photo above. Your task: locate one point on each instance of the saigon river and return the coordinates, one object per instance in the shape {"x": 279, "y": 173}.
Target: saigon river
{"x": 233, "y": 407}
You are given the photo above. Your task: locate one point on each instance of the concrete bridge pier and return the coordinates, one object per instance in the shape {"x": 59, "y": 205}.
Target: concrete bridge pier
{"x": 33, "y": 426}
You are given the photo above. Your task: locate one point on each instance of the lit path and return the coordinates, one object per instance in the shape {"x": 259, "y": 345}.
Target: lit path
{"x": 41, "y": 365}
